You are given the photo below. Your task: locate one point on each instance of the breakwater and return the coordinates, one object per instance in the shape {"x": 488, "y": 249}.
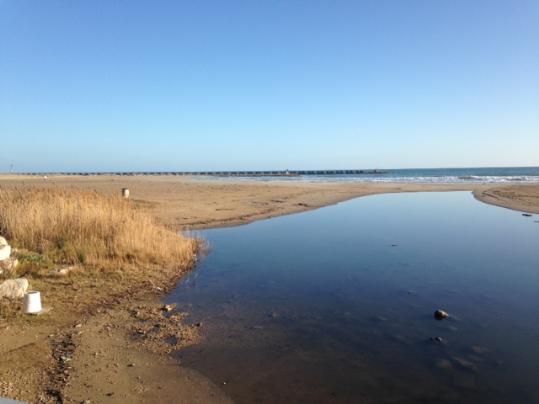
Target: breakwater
{"x": 271, "y": 173}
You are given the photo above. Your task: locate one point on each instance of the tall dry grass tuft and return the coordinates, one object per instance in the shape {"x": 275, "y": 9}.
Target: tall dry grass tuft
{"x": 80, "y": 227}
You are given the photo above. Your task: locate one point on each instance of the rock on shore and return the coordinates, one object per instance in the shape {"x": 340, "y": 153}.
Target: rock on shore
{"x": 13, "y": 288}
{"x": 5, "y": 249}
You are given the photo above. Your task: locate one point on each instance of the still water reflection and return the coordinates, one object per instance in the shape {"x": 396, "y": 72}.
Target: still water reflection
{"x": 336, "y": 305}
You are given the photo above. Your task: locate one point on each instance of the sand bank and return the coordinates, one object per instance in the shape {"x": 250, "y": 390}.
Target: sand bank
{"x": 523, "y": 198}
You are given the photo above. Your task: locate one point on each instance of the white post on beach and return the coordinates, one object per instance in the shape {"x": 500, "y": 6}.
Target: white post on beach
{"x": 125, "y": 193}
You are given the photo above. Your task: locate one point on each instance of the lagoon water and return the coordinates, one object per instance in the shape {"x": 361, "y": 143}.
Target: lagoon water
{"x": 336, "y": 304}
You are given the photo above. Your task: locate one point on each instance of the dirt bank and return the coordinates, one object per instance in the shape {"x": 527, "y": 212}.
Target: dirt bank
{"x": 106, "y": 339}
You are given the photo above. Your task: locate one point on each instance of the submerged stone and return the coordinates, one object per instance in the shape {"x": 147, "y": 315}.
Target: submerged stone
{"x": 444, "y": 364}
{"x": 479, "y": 349}
{"x": 465, "y": 364}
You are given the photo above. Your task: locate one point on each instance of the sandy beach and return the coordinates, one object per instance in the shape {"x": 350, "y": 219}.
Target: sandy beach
{"x": 104, "y": 363}
{"x": 197, "y": 203}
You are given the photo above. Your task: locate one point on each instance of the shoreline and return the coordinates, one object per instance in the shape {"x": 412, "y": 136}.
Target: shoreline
{"x": 184, "y": 204}
{"x": 189, "y": 203}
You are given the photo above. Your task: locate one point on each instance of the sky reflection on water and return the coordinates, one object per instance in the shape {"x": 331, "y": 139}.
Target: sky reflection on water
{"x": 336, "y": 305}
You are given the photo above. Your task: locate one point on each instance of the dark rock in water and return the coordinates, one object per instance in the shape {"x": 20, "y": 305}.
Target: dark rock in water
{"x": 438, "y": 340}
{"x": 527, "y": 214}
{"x": 440, "y": 314}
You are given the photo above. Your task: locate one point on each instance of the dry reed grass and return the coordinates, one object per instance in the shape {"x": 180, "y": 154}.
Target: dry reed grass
{"x": 81, "y": 227}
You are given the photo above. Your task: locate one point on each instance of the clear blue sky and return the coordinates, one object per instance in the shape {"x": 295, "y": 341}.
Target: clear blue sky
{"x": 200, "y": 85}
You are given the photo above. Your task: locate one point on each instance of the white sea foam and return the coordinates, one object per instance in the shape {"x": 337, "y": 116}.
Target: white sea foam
{"x": 448, "y": 179}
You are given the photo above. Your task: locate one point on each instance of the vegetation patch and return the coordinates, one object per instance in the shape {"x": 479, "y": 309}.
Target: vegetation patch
{"x": 76, "y": 227}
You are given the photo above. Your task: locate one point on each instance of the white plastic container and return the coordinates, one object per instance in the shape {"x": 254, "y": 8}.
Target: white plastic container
{"x": 32, "y": 302}
{"x": 125, "y": 193}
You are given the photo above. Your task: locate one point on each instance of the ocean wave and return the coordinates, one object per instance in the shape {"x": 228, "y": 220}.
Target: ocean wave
{"x": 446, "y": 179}
{"x": 457, "y": 179}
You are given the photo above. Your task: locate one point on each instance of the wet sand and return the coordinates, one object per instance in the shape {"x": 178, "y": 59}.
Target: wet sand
{"x": 523, "y": 198}
{"x": 98, "y": 368}
{"x": 105, "y": 339}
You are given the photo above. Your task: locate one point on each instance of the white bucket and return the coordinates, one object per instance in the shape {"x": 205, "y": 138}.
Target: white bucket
{"x": 32, "y": 302}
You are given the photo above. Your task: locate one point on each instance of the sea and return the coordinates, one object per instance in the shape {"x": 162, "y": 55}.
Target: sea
{"x": 421, "y": 175}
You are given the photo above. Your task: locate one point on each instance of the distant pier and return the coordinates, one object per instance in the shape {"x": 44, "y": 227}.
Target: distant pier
{"x": 273, "y": 173}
